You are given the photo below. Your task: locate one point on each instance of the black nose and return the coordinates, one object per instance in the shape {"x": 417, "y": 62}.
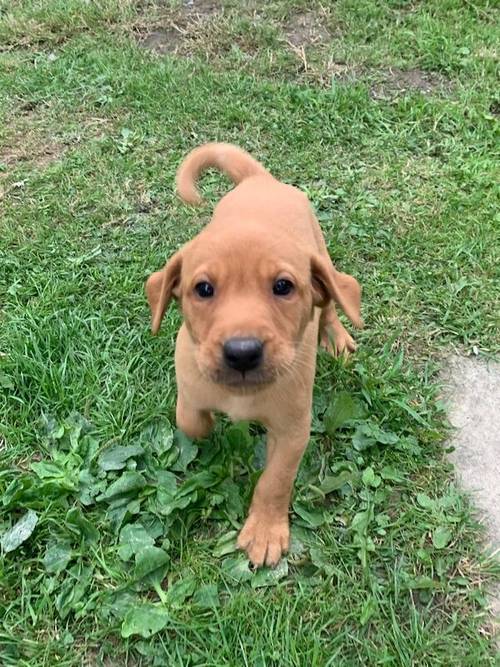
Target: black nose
{"x": 243, "y": 354}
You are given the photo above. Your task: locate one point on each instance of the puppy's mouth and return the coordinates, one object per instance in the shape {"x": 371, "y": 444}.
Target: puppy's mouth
{"x": 251, "y": 379}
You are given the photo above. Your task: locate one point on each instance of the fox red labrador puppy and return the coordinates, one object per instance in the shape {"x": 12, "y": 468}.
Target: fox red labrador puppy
{"x": 257, "y": 290}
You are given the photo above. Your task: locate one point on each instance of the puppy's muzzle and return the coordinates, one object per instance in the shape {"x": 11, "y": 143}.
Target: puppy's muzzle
{"x": 243, "y": 354}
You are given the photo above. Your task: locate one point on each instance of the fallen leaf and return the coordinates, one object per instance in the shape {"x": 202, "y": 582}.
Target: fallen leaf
{"x": 19, "y": 532}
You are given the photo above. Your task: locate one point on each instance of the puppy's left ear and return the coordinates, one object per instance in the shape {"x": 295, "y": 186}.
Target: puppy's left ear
{"x": 160, "y": 287}
{"x": 330, "y": 284}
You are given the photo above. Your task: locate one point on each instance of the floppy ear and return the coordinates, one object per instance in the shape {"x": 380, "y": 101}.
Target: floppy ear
{"x": 160, "y": 287}
{"x": 330, "y": 284}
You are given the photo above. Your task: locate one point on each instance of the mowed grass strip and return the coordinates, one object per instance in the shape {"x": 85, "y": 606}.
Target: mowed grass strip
{"x": 117, "y": 532}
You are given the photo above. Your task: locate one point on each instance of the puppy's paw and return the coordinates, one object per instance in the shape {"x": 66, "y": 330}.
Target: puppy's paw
{"x": 337, "y": 342}
{"x": 264, "y": 539}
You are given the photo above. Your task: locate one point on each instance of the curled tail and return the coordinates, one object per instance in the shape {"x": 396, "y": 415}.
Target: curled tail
{"x": 231, "y": 160}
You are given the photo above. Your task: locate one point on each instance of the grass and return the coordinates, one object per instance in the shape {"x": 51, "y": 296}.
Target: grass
{"x": 131, "y": 558}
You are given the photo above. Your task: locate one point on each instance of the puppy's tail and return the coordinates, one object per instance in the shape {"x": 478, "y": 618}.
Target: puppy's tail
{"x": 233, "y": 161}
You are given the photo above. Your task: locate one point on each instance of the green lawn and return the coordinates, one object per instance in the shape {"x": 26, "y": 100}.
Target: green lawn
{"x": 117, "y": 532}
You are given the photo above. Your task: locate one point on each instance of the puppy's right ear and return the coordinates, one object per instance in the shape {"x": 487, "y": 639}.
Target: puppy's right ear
{"x": 160, "y": 287}
{"x": 328, "y": 283}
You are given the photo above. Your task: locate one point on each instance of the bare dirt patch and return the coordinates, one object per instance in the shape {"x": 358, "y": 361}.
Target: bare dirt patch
{"x": 306, "y": 30}
{"x": 174, "y": 30}
{"x": 162, "y": 41}
{"x": 188, "y": 32}
{"x": 394, "y": 81}
{"x": 27, "y": 143}
{"x": 31, "y": 142}
{"x": 25, "y": 147}
{"x": 202, "y": 7}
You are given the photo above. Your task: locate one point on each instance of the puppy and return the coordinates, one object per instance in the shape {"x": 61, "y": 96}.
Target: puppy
{"x": 257, "y": 289}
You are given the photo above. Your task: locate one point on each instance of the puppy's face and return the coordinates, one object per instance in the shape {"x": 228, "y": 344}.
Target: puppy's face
{"x": 246, "y": 302}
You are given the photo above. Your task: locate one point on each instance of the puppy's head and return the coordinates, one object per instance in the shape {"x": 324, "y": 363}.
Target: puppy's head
{"x": 246, "y": 302}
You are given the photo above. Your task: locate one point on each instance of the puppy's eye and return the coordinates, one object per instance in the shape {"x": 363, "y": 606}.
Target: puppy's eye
{"x": 282, "y": 287}
{"x": 204, "y": 289}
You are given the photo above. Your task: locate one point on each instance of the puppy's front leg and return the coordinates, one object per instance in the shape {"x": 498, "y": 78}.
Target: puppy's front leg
{"x": 266, "y": 533}
{"x": 194, "y": 423}
{"x": 333, "y": 336}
